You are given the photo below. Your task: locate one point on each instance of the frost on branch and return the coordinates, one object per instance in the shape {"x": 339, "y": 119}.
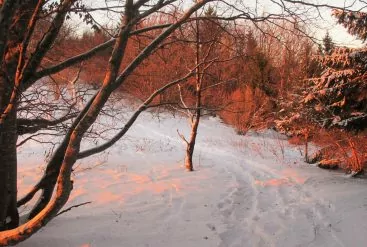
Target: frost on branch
{"x": 339, "y": 96}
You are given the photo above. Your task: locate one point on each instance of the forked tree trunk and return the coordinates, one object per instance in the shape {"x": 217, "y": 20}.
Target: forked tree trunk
{"x": 9, "y": 217}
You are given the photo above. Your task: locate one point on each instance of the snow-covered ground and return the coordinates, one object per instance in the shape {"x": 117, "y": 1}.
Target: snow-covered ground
{"x": 251, "y": 190}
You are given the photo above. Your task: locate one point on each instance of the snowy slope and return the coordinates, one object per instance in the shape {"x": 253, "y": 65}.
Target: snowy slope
{"x": 249, "y": 190}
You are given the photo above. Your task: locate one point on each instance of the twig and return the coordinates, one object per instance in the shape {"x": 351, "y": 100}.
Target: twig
{"x": 74, "y": 206}
{"x": 182, "y": 137}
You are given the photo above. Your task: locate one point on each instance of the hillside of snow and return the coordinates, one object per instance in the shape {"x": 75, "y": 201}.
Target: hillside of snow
{"x": 251, "y": 190}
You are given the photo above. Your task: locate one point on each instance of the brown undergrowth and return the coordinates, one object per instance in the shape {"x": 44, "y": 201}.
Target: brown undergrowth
{"x": 336, "y": 148}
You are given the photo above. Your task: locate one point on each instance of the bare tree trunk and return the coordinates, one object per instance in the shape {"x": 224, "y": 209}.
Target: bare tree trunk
{"x": 9, "y": 91}
{"x": 195, "y": 119}
{"x": 306, "y": 135}
{"x": 191, "y": 143}
{"x": 9, "y": 217}
{"x": 188, "y": 158}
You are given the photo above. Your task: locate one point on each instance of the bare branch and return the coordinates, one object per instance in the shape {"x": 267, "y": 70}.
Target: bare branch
{"x": 182, "y": 137}
{"x": 132, "y": 119}
{"x": 89, "y": 54}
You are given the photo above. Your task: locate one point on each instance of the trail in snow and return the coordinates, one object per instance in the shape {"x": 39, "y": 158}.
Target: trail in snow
{"x": 251, "y": 190}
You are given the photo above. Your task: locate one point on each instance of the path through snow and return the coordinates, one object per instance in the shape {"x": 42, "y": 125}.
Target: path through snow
{"x": 245, "y": 191}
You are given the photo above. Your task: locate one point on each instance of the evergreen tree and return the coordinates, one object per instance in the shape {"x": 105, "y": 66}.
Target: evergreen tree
{"x": 337, "y": 96}
{"x": 328, "y": 44}
{"x": 354, "y": 22}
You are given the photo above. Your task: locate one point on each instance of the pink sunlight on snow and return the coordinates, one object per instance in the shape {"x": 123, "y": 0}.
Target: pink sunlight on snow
{"x": 235, "y": 197}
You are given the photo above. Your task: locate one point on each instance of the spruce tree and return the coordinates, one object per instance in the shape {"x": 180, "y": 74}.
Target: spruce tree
{"x": 328, "y": 44}
{"x": 354, "y": 22}
{"x": 337, "y": 96}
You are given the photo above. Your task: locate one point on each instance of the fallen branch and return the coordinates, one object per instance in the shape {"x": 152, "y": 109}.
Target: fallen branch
{"x": 74, "y": 206}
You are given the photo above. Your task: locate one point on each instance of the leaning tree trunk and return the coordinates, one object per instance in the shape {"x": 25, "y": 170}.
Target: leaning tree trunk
{"x": 48, "y": 181}
{"x": 9, "y": 217}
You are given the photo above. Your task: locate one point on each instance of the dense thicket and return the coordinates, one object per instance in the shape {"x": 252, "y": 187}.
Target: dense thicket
{"x": 330, "y": 106}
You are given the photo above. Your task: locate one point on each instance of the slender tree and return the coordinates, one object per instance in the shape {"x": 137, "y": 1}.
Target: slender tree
{"x": 207, "y": 35}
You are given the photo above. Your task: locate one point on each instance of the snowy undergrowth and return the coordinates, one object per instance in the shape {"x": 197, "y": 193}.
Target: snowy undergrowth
{"x": 251, "y": 190}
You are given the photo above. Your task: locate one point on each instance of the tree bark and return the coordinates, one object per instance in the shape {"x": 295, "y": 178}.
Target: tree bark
{"x": 191, "y": 145}
{"x": 9, "y": 217}
{"x": 10, "y": 90}
{"x": 194, "y": 131}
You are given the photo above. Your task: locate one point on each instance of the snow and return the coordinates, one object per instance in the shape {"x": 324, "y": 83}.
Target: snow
{"x": 252, "y": 190}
